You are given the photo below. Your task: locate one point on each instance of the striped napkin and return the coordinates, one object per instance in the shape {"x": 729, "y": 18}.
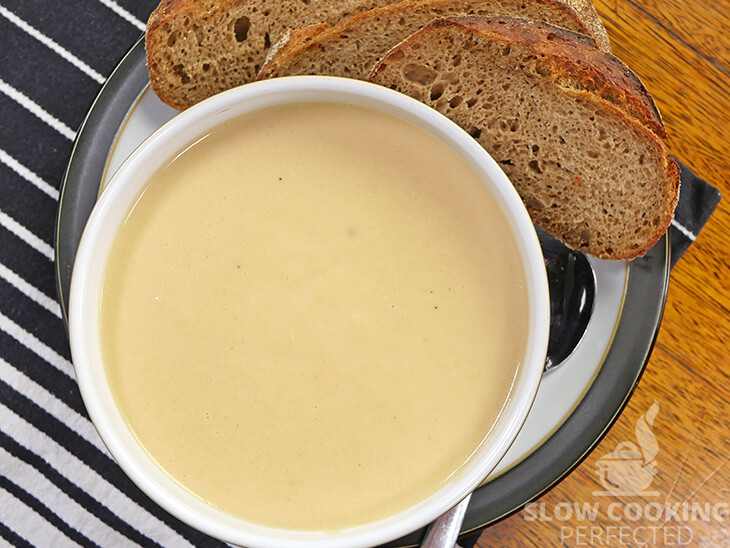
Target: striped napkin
{"x": 58, "y": 485}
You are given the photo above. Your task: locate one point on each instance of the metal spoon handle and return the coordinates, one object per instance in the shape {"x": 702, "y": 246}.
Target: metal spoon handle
{"x": 444, "y": 532}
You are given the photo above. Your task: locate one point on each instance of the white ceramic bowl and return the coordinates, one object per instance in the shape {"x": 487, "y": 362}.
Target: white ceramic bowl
{"x": 112, "y": 208}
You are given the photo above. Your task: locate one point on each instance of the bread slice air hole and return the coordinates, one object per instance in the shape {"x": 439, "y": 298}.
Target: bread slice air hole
{"x": 418, "y": 74}
{"x": 437, "y": 90}
{"x": 241, "y": 27}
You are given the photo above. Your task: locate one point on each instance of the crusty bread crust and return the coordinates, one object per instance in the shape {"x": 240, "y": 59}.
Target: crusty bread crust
{"x": 577, "y": 134}
{"x": 576, "y": 64}
{"x": 351, "y": 47}
{"x": 590, "y": 17}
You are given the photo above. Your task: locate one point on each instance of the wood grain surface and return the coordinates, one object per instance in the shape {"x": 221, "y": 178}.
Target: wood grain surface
{"x": 681, "y": 50}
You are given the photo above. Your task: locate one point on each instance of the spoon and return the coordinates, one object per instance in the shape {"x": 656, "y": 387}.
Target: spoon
{"x": 444, "y": 532}
{"x": 572, "y": 287}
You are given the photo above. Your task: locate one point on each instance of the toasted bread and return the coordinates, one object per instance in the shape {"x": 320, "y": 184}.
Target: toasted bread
{"x": 350, "y": 48}
{"x": 197, "y": 48}
{"x": 572, "y": 127}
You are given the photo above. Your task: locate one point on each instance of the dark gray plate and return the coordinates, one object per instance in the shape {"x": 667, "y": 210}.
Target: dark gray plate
{"x": 544, "y": 467}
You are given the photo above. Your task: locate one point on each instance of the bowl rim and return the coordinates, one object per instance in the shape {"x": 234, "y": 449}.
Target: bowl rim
{"x": 115, "y": 201}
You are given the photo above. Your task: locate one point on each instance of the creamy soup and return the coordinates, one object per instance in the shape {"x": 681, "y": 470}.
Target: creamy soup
{"x": 313, "y": 316}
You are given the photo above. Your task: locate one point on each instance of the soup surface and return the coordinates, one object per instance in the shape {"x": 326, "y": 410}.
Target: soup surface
{"x": 313, "y": 316}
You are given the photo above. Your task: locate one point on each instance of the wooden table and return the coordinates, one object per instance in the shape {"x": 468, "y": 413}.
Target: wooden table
{"x": 681, "y": 50}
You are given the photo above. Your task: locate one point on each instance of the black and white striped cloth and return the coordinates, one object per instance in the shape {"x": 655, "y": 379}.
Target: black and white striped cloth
{"x": 58, "y": 485}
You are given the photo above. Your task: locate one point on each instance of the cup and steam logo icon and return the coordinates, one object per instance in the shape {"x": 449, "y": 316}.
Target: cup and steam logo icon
{"x": 630, "y": 468}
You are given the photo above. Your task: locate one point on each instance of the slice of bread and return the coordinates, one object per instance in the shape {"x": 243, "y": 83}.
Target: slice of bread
{"x": 197, "y": 48}
{"x": 351, "y": 48}
{"x": 571, "y": 126}
{"x": 588, "y": 14}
